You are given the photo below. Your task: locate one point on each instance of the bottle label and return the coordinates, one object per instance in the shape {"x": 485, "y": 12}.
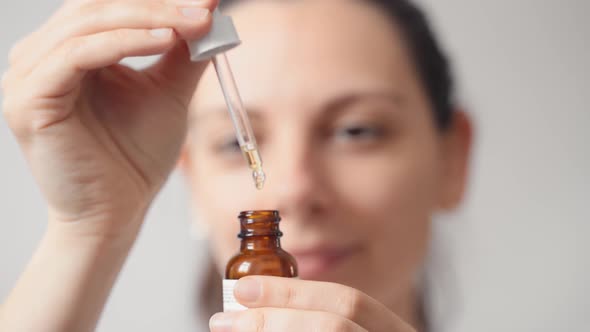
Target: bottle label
{"x": 229, "y": 301}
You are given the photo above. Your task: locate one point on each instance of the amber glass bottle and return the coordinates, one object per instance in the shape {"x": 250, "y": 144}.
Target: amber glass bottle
{"x": 260, "y": 253}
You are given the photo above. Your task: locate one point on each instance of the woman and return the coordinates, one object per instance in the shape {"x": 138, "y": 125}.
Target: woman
{"x": 351, "y": 105}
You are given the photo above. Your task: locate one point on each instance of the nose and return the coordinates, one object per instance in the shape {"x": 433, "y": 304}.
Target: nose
{"x": 296, "y": 181}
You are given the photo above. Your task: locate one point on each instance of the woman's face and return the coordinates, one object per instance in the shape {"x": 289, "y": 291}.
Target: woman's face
{"x": 354, "y": 161}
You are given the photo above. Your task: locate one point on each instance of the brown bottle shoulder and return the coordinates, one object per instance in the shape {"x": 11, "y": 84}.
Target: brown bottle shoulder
{"x": 277, "y": 263}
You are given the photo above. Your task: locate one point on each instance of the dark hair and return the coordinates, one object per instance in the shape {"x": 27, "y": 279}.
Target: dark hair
{"x": 431, "y": 63}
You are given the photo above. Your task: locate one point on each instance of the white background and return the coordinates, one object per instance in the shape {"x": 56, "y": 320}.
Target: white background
{"x": 515, "y": 259}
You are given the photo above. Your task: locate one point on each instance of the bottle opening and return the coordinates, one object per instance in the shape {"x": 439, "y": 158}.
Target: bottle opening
{"x": 260, "y": 214}
{"x": 259, "y": 223}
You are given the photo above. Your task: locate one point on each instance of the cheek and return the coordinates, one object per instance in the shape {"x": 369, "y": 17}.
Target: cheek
{"x": 401, "y": 187}
{"x": 395, "y": 192}
{"x": 394, "y": 196}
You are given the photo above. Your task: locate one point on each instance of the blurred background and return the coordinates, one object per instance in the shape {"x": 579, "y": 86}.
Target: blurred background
{"x": 515, "y": 258}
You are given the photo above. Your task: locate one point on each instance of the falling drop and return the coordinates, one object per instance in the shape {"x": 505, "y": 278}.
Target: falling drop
{"x": 259, "y": 178}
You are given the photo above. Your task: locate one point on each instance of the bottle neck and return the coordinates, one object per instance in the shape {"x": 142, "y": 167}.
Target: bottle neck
{"x": 260, "y": 230}
{"x": 255, "y": 243}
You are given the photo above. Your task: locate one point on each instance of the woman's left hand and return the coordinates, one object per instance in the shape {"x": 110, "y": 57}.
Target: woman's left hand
{"x": 292, "y": 305}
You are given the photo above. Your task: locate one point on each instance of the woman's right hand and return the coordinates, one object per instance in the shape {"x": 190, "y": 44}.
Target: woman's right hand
{"x": 100, "y": 137}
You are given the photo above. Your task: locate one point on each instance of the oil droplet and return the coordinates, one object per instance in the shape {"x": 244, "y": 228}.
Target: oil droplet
{"x": 259, "y": 178}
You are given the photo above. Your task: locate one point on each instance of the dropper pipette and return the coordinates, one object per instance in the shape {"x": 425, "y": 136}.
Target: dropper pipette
{"x": 239, "y": 117}
{"x": 221, "y": 38}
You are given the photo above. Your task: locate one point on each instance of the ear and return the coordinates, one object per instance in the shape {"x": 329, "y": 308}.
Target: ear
{"x": 456, "y": 157}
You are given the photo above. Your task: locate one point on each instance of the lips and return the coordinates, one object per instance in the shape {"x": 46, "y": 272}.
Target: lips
{"x": 315, "y": 262}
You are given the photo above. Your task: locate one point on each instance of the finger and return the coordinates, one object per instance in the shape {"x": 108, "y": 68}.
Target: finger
{"x": 190, "y": 19}
{"x": 176, "y": 72}
{"x": 62, "y": 70}
{"x": 18, "y": 50}
{"x": 284, "y": 320}
{"x": 187, "y": 17}
{"x": 256, "y": 292}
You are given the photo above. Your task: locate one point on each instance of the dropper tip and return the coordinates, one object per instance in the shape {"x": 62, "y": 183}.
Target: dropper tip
{"x": 259, "y": 178}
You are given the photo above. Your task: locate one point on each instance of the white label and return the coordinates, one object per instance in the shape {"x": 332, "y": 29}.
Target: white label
{"x": 229, "y": 301}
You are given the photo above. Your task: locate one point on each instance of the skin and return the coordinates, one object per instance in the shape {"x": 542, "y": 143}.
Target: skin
{"x": 355, "y": 163}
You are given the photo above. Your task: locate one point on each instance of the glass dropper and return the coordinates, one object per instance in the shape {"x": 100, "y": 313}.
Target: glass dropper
{"x": 239, "y": 117}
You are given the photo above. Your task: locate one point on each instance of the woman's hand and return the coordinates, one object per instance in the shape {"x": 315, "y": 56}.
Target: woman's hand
{"x": 100, "y": 137}
{"x": 281, "y": 304}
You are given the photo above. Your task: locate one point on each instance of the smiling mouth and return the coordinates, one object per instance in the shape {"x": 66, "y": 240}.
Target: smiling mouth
{"x": 315, "y": 262}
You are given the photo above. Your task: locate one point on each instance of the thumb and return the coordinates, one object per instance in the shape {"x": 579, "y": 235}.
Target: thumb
{"x": 177, "y": 73}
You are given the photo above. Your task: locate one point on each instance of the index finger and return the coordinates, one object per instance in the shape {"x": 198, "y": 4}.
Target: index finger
{"x": 262, "y": 291}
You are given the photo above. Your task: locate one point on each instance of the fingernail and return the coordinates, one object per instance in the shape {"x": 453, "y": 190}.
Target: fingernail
{"x": 194, "y": 13}
{"x": 161, "y": 33}
{"x": 221, "y": 322}
{"x": 248, "y": 290}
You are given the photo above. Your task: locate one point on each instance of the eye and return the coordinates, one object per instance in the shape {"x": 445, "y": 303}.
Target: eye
{"x": 358, "y": 133}
{"x": 231, "y": 145}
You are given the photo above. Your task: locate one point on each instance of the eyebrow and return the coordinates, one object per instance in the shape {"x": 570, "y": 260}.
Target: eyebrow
{"x": 220, "y": 113}
{"x": 332, "y": 107}
{"x": 338, "y": 104}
